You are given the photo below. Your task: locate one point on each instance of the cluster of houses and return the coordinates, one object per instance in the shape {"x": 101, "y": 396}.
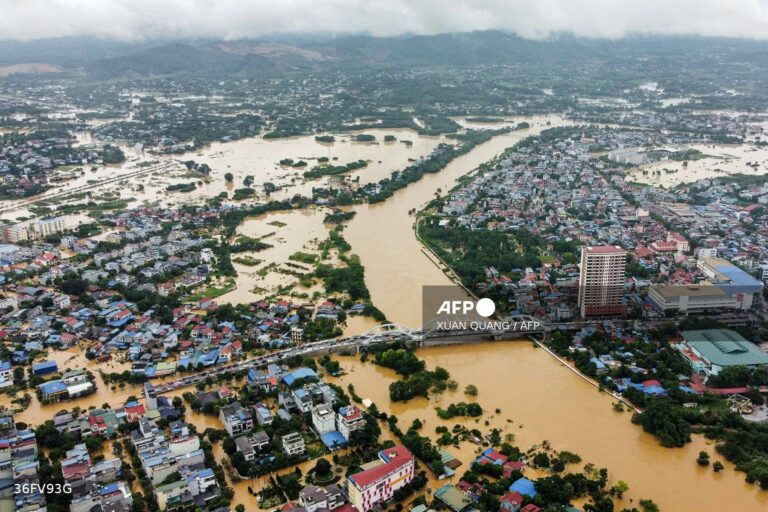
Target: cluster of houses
{"x": 142, "y": 254}
{"x": 94, "y": 483}
{"x": 707, "y": 351}
{"x": 298, "y": 392}
{"x": 463, "y": 496}
{"x": 118, "y": 329}
{"x": 374, "y": 485}
{"x": 145, "y": 257}
{"x": 26, "y": 161}
{"x": 711, "y": 126}
{"x": 68, "y": 385}
{"x": 19, "y": 466}
{"x": 687, "y": 257}
{"x": 179, "y": 454}
{"x": 172, "y": 459}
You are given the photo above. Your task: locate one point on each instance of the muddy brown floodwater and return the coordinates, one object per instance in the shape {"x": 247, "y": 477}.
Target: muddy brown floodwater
{"x": 545, "y": 401}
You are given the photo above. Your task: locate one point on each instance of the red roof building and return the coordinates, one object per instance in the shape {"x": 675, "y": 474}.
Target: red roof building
{"x": 511, "y": 501}
{"x": 378, "y": 484}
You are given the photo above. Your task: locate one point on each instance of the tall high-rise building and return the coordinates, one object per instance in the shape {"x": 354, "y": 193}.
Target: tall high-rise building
{"x": 601, "y": 281}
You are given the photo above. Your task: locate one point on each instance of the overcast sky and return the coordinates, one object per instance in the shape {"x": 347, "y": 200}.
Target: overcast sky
{"x": 230, "y": 19}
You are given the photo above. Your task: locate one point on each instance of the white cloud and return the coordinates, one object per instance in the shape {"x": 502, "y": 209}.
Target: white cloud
{"x": 141, "y": 19}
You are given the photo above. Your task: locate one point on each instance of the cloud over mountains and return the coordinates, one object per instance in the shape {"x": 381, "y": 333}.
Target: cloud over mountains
{"x": 135, "y": 20}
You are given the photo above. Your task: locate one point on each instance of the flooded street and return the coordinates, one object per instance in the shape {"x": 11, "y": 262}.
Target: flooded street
{"x": 73, "y": 359}
{"x": 723, "y": 160}
{"x": 538, "y": 395}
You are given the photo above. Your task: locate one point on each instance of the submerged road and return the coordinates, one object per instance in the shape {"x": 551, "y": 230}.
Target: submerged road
{"x": 48, "y": 196}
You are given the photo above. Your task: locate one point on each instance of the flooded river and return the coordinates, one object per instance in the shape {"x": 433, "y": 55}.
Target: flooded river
{"x": 550, "y": 402}
{"x": 382, "y": 235}
{"x": 545, "y": 401}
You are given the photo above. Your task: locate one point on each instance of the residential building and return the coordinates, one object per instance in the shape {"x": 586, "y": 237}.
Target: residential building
{"x": 173, "y": 495}
{"x": 14, "y": 233}
{"x": 455, "y": 499}
{"x": 293, "y": 444}
{"x": 251, "y": 445}
{"x": 263, "y": 416}
{"x": 52, "y": 226}
{"x": 236, "y": 419}
{"x": 348, "y": 420}
{"x": 706, "y": 252}
{"x": 6, "y": 374}
{"x": 323, "y": 418}
{"x": 681, "y": 243}
{"x": 19, "y": 465}
{"x": 302, "y": 399}
{"x": 511, "y": 501}
{"x": 314, "y": 498}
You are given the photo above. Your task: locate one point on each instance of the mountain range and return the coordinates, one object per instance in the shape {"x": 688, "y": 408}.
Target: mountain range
{"x": 111, "y": 59}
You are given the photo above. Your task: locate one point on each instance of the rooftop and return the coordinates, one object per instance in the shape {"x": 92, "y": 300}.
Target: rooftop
{"x": 689, "y": 290}
{"x": 454, "y": 498}
{"x": 724, "y": 347}
{"x": 726, "y": 273}
{"x": 393, "y": 458}
{"x": 604, "y": 249}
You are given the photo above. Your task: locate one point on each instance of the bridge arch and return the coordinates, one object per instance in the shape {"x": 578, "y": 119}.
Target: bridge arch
{"x": 388, "y": 331}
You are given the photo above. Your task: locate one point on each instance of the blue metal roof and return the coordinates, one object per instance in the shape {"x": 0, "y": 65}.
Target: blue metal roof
{"x": 524, "y": 487}
{"x": 45, "y": 367}
{"x": 109, "y": 488}
{"x": 299, "y": 373}
{"x": 53, "y": 387}
{"x": 740, "y": 281}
